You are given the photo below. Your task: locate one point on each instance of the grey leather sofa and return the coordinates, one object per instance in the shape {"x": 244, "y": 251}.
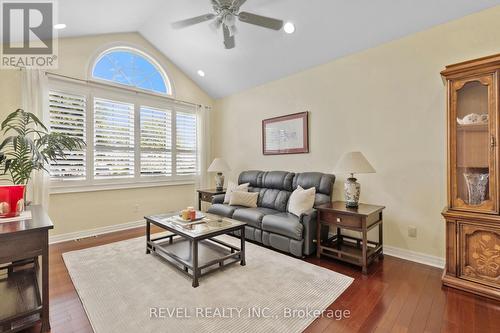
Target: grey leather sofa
{"x": 270, "y": 223}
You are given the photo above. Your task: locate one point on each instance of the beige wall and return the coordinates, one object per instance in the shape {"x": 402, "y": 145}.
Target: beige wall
{"x": 10, "y": 91}
{"x": 89, "y": 210}
{"x": 389, "y": 103}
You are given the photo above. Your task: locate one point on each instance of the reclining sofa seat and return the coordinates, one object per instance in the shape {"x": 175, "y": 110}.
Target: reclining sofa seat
{"x": 270, "y": 223}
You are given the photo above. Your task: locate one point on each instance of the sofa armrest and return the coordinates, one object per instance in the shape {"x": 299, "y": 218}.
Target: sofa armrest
{"x": 218, "y": 199}
{"x": 311, "y": 213}
{"x": 308, "y": 220}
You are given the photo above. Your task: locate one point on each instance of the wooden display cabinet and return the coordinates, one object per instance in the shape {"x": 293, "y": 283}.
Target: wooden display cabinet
{"x": 472, "y": 215}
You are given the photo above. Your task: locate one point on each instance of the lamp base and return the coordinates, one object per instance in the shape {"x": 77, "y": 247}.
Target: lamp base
{"x": 219, "y": 181}
{"x": 352, "y": 190}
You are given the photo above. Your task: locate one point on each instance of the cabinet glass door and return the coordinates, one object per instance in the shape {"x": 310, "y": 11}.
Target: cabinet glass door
{"x": 473, "y": 144}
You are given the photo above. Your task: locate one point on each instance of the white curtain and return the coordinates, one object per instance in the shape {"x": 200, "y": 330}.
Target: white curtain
{"x": 205, "y": 146}
{"x": 35, "y": 100}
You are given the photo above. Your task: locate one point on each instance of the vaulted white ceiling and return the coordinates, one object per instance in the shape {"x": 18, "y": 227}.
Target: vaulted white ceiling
{"x": 325, "y": 30}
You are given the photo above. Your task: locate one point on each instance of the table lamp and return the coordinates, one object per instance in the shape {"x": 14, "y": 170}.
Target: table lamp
{"x": 219, "y": 166}
{"x": 351, "y": 163}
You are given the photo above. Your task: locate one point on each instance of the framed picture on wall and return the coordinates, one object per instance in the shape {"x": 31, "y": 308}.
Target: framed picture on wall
{"x": 286, "y": 134}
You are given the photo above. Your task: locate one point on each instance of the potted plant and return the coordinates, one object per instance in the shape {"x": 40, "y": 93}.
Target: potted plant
{"x": 27, "y": 146}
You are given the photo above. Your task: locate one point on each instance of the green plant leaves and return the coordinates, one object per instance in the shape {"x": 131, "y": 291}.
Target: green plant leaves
{"x": 29, "y": 146}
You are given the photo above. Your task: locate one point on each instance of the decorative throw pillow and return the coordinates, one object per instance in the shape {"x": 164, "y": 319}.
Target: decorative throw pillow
{"x": 245, "y": 199}
{"x": 301, "y": 200}
{"x": 232, "y": 187}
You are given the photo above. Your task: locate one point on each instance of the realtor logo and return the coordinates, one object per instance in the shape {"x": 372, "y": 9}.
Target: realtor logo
{"x": 28, "y": 35}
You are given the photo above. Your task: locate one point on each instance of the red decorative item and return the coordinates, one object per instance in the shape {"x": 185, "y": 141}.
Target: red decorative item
{"x": 11, "y": 200}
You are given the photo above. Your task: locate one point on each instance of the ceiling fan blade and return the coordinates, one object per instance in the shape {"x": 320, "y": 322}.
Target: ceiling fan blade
{"x": 228, "y": 38}
{"x": 192, "y": 21}
{"x": 261, "y": 21}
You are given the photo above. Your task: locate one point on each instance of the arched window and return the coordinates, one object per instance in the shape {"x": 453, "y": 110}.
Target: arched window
{"x": 133, "y": 68}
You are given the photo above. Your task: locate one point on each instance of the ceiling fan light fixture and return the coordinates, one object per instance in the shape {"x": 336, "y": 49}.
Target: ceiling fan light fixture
{"x": 225, "y": 14}
{"x": 232, "y": 30}
{"x": 289, "y": 27}
{"x": 229, "y": 19}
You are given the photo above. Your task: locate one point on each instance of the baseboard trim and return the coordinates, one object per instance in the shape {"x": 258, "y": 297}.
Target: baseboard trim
{"x": 94, "y": 232}
{"x": 421, "y": 258}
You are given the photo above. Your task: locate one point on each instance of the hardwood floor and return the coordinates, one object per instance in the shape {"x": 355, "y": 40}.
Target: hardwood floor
{"x": 396, "y": 296}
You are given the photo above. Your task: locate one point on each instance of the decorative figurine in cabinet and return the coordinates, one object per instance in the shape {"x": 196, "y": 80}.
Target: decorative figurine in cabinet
{"x": 472, "y": 215}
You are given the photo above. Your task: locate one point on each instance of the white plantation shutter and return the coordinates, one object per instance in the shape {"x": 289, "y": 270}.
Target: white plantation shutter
{"x": 186, "y": 144}
{"x": 131, "y": 138}
{"x": 113, "y": 139}
{"x": 67, "y": 115}
{"x": 156, "y": 142}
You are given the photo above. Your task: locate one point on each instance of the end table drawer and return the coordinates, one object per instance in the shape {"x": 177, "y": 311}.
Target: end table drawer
{"x": 22, "y": 246}
{"x": 342, "y": 220}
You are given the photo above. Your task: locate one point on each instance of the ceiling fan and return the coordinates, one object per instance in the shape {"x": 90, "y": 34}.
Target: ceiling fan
{"x": 226, "y": 12}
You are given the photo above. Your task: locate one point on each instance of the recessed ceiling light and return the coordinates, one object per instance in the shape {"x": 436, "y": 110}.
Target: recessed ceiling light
{"x": 201, "y": 73}
{"x": 289, "y": 28}
{"x": 60, "y": 26}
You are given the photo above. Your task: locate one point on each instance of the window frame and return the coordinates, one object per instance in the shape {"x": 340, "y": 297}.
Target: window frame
{"x": 92, "y": 90}
{"x": 131, "y": 49}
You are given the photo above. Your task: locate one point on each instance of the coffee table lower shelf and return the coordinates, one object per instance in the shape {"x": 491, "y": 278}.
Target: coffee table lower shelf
{"x": 212, "y": 254}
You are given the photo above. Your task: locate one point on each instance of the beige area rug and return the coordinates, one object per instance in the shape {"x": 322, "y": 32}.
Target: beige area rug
{"x": 124, "y": 290}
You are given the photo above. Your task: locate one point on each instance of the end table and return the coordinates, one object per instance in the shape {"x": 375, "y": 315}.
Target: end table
{"x": 207, "y": 195}
{"x": 357, "y": 251}
{"x": 24, "y": 287}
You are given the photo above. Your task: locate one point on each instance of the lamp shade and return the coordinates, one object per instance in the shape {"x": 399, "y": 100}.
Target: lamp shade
{"x": 353, "y": 162}
{"x": 218, "y": 165}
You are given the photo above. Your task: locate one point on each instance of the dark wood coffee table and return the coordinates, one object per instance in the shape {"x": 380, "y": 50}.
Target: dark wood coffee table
{"x": 194, "y": 250}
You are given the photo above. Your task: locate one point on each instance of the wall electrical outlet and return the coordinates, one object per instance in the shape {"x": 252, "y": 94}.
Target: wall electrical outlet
{"x": 412, "y": 231}
{"x": 136, "y": 208}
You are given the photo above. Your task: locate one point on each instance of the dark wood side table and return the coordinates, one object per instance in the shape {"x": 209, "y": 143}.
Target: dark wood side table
{"x": 207, "y": 195}
{"x": 357, "y": 251}
{"x": 24, "y": 290}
